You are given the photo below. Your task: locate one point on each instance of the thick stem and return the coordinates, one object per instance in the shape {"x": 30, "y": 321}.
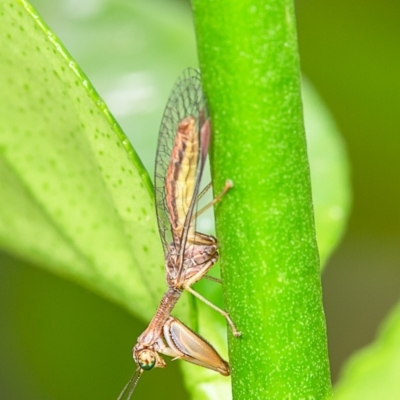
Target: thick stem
{"x": 250, "y": 66}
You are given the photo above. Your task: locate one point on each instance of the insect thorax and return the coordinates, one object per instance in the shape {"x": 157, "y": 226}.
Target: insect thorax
{"x": 199, "y": 256}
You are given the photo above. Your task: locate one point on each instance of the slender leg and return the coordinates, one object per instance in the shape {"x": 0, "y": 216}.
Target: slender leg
{"x": 212, "y": 278}
{"x": 235, "y": 332}
{"x": 228, "y": 185}
{"x": 203, "y": 192}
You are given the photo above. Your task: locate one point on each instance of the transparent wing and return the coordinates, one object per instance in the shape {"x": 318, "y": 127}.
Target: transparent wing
{"x": 186, "y": 100}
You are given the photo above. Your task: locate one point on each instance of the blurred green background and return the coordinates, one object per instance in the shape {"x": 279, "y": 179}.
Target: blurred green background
{"x": 58, "y": 341}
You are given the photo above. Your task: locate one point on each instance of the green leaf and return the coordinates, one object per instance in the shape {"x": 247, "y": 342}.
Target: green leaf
{"x": 329, "y": 172}
{"x": 78, "y": 201}
{"x": 374, "y": 372}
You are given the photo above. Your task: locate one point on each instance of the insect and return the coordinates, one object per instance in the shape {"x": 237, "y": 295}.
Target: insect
{"x": 181, "y": 154}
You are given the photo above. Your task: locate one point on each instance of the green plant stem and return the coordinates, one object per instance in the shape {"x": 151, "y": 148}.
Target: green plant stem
{"x": 249, "y": 61}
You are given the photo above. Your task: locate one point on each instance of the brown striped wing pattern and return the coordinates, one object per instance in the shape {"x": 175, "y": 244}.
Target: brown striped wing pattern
{"x": 181, "y": 154}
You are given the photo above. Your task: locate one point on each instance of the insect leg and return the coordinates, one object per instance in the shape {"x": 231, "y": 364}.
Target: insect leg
{"x": 212, "y": 278}
{"x": 203, "y": 192}
{"x": 228, "y": 185}
{"x": 235, "y": 332}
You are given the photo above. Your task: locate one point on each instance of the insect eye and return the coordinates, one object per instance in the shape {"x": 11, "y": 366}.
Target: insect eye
{"x": 146, "y": 360}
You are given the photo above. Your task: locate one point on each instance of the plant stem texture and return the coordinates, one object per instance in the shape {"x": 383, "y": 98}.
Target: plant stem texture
{"x": 269, "y": 257}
